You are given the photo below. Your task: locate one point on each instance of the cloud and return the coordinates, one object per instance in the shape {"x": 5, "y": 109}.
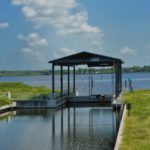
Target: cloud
{"x": 26, "y": 50}
{"x": 34, "y": 45}
{"x": 57, "y": 13}
{"x": 29, "y": 12}
{"x": 33, "y": 40}
{"x": 66, "y": 16}
{"x": 127, "y": 50}
{"x": 3, "y": 25}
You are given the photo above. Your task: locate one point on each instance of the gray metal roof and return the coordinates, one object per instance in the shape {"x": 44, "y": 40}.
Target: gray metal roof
{"x": 86, "y": 58}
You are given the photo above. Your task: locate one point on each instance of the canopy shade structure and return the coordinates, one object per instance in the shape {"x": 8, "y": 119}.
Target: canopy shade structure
{"x": 86, "y": 58}
{"x": 91, "y": 60}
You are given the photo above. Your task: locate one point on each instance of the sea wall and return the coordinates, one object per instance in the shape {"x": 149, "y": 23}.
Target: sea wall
{"x": 6, "y": 108}
{"x": 40, "y": 103}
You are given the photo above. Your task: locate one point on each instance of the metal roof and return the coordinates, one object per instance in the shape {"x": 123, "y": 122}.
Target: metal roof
{"x": 86, "y": 58}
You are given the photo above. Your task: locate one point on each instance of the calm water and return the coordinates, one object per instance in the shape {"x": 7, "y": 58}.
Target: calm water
{"x": 66, "y": 129}
{"x": 103, "y": 84}
{"x": 78, "y": 128}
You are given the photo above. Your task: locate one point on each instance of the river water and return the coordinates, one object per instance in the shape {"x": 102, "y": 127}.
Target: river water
{"x": 69, "y": 128}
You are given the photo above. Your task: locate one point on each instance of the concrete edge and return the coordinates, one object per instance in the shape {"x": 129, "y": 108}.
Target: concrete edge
{"x": 5, "y": 108}
{"x": 120, "y": 132}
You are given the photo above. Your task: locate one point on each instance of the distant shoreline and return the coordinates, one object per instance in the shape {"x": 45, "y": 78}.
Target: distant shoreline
{"x": 41, "y": 74}
{"x": 134, "y": 69}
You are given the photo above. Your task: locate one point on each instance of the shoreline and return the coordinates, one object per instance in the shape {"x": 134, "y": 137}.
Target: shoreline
{"x": 25, "y": 75}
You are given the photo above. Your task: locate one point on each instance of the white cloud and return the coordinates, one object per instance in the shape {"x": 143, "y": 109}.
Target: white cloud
{"x": 33, "y": 40}
{"x": 59, "y": 14}
{"x": 29, "y": 12}
{"x": 4, "y": 25}
{"x": 26, "y": 50}
{"x": 127, "y": 50}
{"x": 35, "y": 45}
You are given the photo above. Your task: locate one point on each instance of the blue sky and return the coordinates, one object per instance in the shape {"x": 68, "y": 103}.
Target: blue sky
{"x": 34, "y": 32}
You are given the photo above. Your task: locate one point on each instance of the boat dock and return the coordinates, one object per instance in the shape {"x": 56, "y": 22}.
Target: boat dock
{"x": 68, "y": 94}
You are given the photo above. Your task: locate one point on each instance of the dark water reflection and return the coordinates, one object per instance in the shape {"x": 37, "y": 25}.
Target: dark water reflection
{"x": 71, "y": 128}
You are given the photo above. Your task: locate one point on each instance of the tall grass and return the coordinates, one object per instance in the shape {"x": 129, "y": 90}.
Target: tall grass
{"x": 136, "y": 135}
{"x": 21, "y": 91}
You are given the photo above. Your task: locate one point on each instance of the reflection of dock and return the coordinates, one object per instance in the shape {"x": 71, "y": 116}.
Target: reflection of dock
{"x": 73, "y": 128}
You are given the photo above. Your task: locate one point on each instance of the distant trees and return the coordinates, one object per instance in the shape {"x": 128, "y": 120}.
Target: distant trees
{"x": 136, "y": 69}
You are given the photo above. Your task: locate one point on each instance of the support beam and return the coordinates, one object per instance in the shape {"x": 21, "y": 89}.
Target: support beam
{"x": 118, "y": 79}
{"x": 74, "y": 78}
{"x": 68, "y": 80}
{"x": 112, "y": 86}
{"x": 61, "y": 80}
{"x": 53, "y": 79}
{"x": 89, "y": 86}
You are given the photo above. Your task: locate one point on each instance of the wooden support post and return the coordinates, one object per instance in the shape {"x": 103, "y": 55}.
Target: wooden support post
{"x": 113, "y": 91}
{"x": 68, "y": 80}
{"x": 74, "y": 82}
{"x": 53, "y": 79}
{"x": 89, "y": 86}
{"x": 61, "y": 80}
{"x": 118, "y": 79}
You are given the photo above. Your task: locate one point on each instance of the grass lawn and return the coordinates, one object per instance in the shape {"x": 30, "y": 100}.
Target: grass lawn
{"x": 136, "y": 135}
{"x": 21, "y": 91}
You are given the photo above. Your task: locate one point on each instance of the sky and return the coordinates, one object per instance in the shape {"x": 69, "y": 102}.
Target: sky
{"x": 32, "y": 32}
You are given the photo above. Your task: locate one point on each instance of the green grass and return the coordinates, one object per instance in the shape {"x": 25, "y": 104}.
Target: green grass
{"x": 4, "y": 101}
{"x": 136, "y": 135}
{"x": 21, "y": 91}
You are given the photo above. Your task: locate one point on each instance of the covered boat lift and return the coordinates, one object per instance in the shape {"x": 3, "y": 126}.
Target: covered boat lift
{"x": 91, "y": 60}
